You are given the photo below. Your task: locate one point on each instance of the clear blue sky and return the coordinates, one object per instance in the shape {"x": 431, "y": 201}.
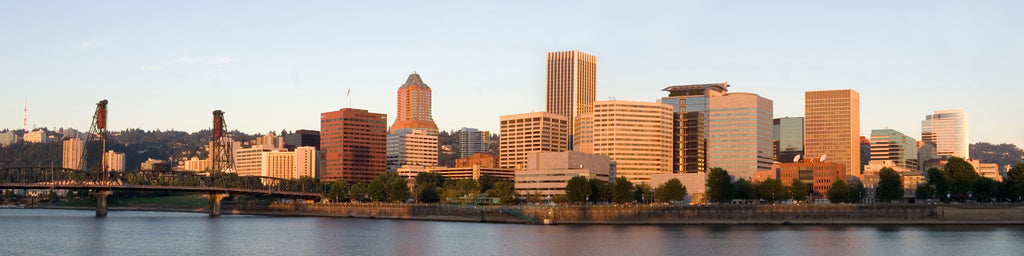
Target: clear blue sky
{"x": 278, "y": 65}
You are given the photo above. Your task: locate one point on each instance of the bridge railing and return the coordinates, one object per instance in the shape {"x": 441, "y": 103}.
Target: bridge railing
{"x": 62, "y": 176}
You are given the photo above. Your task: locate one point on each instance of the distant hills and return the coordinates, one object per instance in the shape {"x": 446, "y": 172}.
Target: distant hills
{"x": 1002, "y": 154}
{"x": 137, "y": 145}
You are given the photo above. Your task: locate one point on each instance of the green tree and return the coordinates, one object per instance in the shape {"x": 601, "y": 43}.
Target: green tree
{"x": 719, "y": 186}
{"x": 430, "y": 178}
{"x": 622, "y": 191}
{"x": 798, "y": 190}
{"x": 924, "y": 191}
{"x": 890, "y": 186}
{"x": 985, "y": 189}
{"x": 505, "y": 191}
{"x": 486, "y": 182}
{"x": 671, "y": 190}
{"x": 772, "y": 190}
{"x": 937, "y": 180}
{"x": 961, "y": 176}
{"x": 464, "y": 190}
{"x": 643, "y": 193}
{"x": 428, "y": 194}
{"x": 1015, "y": 182}
{"x": 839, "y": 192}
{"x": 359, "y": 191}
{"x": 600, "y": 191}
{"x": 378, "y": 190}
{"x": 338, "y": 191}
{"x": 857, "y": 192}
{"x": 577, "y": 189}
{"x": 743, "y": 189}
{"x": 398, "y": 188}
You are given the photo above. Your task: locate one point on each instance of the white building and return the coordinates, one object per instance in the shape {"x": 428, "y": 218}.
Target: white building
{"x": 73, "y": 150}
{"x": 37, "y": 136}
{"x": 113, "y": 161}
{"x": 8, "y": 138}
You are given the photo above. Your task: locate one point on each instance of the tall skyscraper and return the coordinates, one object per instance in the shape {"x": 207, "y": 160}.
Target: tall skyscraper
{"x": 788, "y": 138}
{"x": 411, "y": 147}
{"x": 689, "y": 124}
{"x": 832, "y": 127}
{"x": 636, "y": 135}
{"x": 353, "y": 142}
{"x": 571, "y": 85}
{"x": 414, "y": 103}
{"x": 947, "y": 129}
{"x": 892, "y": 145}
{"x": 740, "y": 134}
{"x": 530, "y": 132}
{"x": 472, "y": 141}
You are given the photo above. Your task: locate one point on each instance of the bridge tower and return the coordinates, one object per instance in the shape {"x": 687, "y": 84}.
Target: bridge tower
{"x": 220, "y": 146}
{"x": 97, "y": 133}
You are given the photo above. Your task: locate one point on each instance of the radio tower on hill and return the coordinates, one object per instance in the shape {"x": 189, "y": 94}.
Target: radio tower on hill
{"x": 24, "y": 121}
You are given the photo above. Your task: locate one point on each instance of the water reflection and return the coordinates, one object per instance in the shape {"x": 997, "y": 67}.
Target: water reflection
{"x": 48, "y": 232}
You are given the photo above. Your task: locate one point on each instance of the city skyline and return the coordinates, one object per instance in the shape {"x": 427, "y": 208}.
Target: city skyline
{"x": 167, "y": 69}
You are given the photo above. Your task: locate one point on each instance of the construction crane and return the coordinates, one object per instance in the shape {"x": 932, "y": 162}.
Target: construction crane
{"x": 220, "y": 146}
{"x": 97, "y": 132}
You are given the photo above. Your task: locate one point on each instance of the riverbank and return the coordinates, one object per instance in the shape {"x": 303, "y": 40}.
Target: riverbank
{"x": 821, "y": 214}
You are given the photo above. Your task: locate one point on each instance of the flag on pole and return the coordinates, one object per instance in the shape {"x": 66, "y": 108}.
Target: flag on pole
{"x": 349, "y": 93}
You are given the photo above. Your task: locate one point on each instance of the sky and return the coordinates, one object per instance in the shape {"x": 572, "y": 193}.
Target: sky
{"x": 273, "y": 65}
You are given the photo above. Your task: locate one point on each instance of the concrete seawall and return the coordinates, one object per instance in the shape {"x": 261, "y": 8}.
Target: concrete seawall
{"x": 823, "y": 214}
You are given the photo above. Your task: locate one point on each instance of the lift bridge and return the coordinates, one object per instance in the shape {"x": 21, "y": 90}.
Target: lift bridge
{"x": 218, "y": 184}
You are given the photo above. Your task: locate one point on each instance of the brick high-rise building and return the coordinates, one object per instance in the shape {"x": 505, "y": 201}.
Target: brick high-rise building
{"x": 832, "y": 128}
{"x": 571, "y": 85}
{"x": 530, "y": 132}
{"x": 414, "y": 104}
{"x": 353, "y": 142}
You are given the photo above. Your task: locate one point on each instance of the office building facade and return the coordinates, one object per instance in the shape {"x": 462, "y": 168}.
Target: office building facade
{"x": 354, "y": 145}
{"x": 947, "y": 129}
{"x": 832, "y": 128}
{"x": 472, "y": 141}
{"x": 636, "y": 135}
{"x": 740, "y": 134}
{"x": 690, "y": 124}
{"x": 571, "y": 85}
{"x": 788, "y": 138}
{"x": 411, "y": 146}
{"x": 521, "y": 134}
{"x": 892, "y": 145}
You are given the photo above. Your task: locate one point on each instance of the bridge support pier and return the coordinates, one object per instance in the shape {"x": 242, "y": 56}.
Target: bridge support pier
{"x": 215, "y": 198}
{"x": 101, "y": 202}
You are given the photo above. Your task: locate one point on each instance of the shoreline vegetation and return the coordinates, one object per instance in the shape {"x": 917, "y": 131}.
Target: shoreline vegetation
{"x": 610, "y": 214}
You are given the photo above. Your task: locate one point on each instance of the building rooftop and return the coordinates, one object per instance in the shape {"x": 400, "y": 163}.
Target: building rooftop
{"x": 696, "y": 89}
{"x": 415, "y": 80}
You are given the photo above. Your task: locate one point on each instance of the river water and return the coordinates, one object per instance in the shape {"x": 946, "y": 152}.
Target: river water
{"x": 74, "y": 232}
